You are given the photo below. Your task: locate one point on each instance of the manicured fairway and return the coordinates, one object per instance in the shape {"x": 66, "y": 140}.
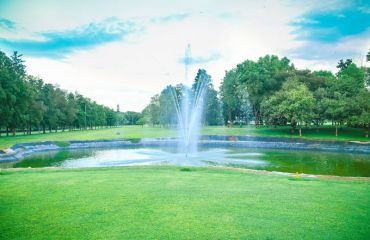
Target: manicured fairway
{"x": 324, "y": 133}
{"x": 179, "y": 203}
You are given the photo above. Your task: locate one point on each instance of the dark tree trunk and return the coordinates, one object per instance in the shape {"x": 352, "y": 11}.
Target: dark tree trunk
{"x": 256, "y": 120}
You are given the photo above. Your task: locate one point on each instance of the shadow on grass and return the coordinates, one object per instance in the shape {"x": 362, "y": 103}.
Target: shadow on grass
{"x": 186, "y": 169}
{"x": 301, "y": 179}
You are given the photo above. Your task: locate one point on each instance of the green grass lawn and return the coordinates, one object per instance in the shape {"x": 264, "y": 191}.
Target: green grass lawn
{"x": 170, "y": 203}
{"x": 324, "y": 133}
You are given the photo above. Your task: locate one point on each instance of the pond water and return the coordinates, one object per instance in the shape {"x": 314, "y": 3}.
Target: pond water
{"x": 309, "y": 162}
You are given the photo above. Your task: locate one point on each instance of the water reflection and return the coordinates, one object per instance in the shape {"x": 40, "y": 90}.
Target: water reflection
{"x": 325, "y": 163}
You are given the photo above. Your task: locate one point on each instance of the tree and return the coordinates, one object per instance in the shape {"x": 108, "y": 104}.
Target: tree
{"x": 60, "y": 97}
{"x": 354, "y": 76}
{"x": 50, "y": 118}
{"x": 20, "y": 96}
{"x": 341, "y": 92}
{"x": 141, "y": 121}
{"x": 344, "y": 64}
{"x": 213, "y": 112}
{"x": 82, "y": 102}
{"x": 36, "y": 108}
{"x": 260, "y": 79}
{"x": 230, "y": 100}
{"x": 7, "y": 91}
{"x": 167, "y": 106}
{"x": 336, "y": 106}
{"x": 152, "y": 111}
{"x": 294, "y": 102}
{"x": 313, "y": 81}
{"x": 360, "y": 107}
{"x": 131, "y": 118}
{"x": 111, "y": 117}
{"x": 27, "y": 103}
{"x": 212, "y": 107}
{"x": 71, "y": 111}
{"x": 367, "y": 71}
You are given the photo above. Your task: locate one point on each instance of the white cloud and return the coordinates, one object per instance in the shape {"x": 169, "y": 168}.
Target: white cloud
{"x": 129, "y": 73}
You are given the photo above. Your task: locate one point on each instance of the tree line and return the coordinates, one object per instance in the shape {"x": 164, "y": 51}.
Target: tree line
{"x": 269, "y": 91}
{"x": 272, "y": 91}
{"x": 28, "y": 104}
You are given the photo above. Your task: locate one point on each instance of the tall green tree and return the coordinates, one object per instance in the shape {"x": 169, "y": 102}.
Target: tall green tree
{"x": 27, "y": 103}
{"x": 152, "y": 111}
{"x": 231, "y": 101}
{"x": 7, "y": 91}
{"x": 20, "y": 94}
{"x": 212, "y": 106}
{"x": 36, "y": 107}
{"x": 293, "y": 102}
{"x": 260, "y": 79}
{"x": 50, "y": 118}
{"x": 167, "y": 107}
{"x": 341, "y": 91}
{"x": 71, "y": 111}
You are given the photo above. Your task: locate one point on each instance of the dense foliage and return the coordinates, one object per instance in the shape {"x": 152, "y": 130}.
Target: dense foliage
{"x": 271, "y": 91}
{"x": 27, "y": 103}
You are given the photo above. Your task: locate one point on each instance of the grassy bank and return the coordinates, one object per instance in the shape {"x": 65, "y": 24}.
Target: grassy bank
{"x": 322, "y": 133}
{"x": 178, "y": 203}
{"x": 98, "y": 134}
{"x": 325, "y": 133}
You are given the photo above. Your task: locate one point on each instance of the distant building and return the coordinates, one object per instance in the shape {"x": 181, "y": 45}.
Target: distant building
{"x": 118, "y": 108}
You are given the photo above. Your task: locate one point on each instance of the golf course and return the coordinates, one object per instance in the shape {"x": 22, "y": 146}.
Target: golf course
{"x": 179, "y": 120}
{"x": 174, "y": 202}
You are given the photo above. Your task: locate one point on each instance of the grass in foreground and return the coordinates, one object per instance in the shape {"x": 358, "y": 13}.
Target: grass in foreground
{"x": 324, "y": 133}
{"x": 178, "y": 203}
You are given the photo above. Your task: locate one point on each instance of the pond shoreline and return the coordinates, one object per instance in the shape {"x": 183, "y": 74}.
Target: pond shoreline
{"x": 20, "y": 151}
{"x": 291, "y": 176}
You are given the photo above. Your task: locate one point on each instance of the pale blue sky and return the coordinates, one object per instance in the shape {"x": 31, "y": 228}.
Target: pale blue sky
{"x": 123, "y": 52}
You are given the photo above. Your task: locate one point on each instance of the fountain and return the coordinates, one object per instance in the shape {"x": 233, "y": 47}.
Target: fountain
{"x": 189, "y": 110}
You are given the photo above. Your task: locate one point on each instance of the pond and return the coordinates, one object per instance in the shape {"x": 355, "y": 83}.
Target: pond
{"x": 302, "y": 161}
